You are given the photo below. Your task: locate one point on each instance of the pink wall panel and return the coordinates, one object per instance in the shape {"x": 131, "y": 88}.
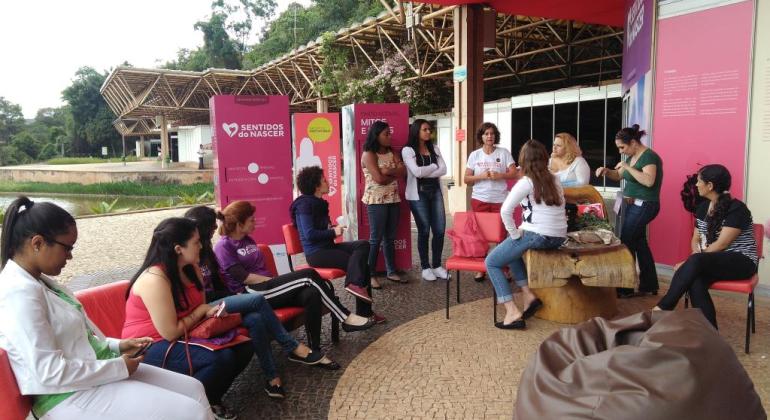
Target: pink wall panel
{"x": 700, "y": 110}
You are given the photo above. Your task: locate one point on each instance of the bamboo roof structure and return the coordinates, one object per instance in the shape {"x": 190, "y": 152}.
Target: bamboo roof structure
{"x": 530, "y": 54}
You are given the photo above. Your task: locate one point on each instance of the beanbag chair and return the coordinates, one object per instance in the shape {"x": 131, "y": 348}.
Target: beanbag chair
{"x": 650, "y": 365}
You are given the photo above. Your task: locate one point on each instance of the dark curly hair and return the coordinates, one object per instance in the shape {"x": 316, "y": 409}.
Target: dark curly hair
{"x": 308, "y": 179}
{"x": 372, "y": 143}
{"x": 484, "y": 127}
{"x": 689, "y": 194}
{"x": 720, "y": 177}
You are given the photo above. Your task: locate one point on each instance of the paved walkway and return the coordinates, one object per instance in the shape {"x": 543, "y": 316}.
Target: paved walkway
{"x": 417, "y": 365}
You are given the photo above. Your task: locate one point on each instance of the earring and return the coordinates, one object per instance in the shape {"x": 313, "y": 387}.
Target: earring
{"x": 37, "y": 249}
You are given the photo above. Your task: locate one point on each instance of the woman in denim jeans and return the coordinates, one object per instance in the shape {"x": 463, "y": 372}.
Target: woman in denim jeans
{"x": 543, "y": 226}
{"x": 382, "y": 168}
{"x": 643, "y": 173}
{"x": 425, "y": 166}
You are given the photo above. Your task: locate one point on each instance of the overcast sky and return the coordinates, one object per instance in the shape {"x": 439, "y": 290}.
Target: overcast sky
{"x": 43, "y": 43}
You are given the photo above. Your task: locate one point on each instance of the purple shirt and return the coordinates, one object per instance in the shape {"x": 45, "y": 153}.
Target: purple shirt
{"x": 243, "y": 251}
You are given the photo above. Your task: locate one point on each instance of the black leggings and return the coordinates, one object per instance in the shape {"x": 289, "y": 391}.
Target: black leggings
{"x": 353, "y": 257}
{"x": 304, "y": 288}
{"x": 698, "y": 272}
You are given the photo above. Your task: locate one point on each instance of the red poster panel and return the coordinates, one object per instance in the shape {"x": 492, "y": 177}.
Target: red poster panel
{"x": 700, "y": 110}
{"x": 317, "y": 143}
{"x": 251, "y": 138}
{"x": 397, "y": 117}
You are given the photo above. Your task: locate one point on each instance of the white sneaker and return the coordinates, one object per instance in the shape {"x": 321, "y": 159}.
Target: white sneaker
{"x": 440, "y": 272}
{"x": 428, "y": 275}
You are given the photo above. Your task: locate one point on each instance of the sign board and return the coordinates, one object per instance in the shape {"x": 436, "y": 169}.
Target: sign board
{"x": 460, "y": 73}
{"x": 356, "y": 120}
{"x": 460, "y": 134}
{"x": 317, "y": 143}
{"x": 105, "y": 152}
{"x": 251, "y": 139}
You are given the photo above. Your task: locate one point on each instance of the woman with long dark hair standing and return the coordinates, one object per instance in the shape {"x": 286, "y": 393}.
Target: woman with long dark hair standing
{"x": 382, "y": 168}
{"x": 165, "y": 298}
{"x": 643, "y": 172}
{"x": 59, "y": 357}
{"x": 488, "y": 170}
{"x": 723, "y": 245}
{"x": 543, "y": 226}
{"x": 423, "y": 192}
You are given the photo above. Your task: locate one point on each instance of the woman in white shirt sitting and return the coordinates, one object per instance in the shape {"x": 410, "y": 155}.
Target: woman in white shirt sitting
{"x": 544, "y": 226}
{"x": 60, "y": 358}
{"x": 568, "y": 163}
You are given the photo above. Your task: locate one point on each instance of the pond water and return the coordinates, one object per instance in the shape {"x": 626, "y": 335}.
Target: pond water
{"x": 80, "y": 205}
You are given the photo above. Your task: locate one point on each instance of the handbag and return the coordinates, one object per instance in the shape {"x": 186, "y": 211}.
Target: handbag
{"x": 467, "y": 240}
{"x": 215, "y": 326}
{"x": 209, "y": 328}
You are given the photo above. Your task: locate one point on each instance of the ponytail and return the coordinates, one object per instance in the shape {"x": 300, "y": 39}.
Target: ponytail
{"x": 25, "y": 219}
{"x": 689, "y": 194}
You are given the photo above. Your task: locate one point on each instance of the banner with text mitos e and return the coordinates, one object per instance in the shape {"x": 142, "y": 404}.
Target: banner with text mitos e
{"x": 251, "y": 138}
{"x": 700, "y": 109}
{"x": 356, "y": 120}
{"x": 317, "y": 143}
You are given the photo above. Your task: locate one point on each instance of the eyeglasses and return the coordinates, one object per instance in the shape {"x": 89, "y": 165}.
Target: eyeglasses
{"x": 66, "y": 247}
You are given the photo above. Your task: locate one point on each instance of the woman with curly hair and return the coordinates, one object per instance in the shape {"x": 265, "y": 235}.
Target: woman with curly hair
{"x": 723, "y": 245}
{"x": 567, "y": 162}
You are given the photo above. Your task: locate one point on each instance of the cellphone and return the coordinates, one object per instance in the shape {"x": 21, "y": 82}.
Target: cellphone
{"x": 220, "y": 309}
{"x": 141, "y": 351}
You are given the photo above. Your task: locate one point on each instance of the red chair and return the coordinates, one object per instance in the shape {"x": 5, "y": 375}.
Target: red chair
{"x": 292, "y": 317}
{"x": 743, "y": 286}
{"x": 294, "y": 247}
{"x": 13, "y": 404}
{"x": 493, "y": 230}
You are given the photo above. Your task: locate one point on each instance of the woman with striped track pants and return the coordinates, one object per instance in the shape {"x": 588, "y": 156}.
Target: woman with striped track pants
{"x": 244, "y": 270}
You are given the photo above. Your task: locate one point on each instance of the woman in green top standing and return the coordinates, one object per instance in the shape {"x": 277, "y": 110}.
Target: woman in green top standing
{"x": 643, "y": 172}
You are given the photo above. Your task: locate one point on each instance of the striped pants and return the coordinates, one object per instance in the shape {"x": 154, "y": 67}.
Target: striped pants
{"x": 306, "y": 289}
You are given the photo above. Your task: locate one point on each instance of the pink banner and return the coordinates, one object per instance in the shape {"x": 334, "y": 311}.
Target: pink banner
{"x": 397, "y": 117}
{"x": 317, "y": 143}
{"x": 700, "y": 111}
{"x": 252, "y": 158}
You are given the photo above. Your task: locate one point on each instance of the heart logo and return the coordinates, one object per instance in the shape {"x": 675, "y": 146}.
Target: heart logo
{"x": 230, "y": 129}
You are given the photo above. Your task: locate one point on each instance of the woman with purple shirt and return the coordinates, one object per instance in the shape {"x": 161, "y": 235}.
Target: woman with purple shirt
{"x": 258, "y": 316}
{"x": 243, "y": 270}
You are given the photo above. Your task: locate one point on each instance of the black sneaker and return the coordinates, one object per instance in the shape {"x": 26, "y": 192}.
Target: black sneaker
{"x": 223, "y": 413}
{"x": 274, "y": 391}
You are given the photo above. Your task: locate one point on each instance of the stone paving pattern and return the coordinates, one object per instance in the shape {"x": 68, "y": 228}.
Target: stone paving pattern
{"x": 417, "y": 365}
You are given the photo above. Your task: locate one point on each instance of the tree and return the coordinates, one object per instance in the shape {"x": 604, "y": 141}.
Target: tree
{"x": 91, "y": 117}
{"x": 11, "y": 120}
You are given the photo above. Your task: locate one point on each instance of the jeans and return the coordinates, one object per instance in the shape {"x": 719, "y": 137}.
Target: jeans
{"x": 429, "y": 215}
{"x": 260, "y": 320}
{"x": 698, "y": 272}
{"x": 509, "y": 253}
{"x": 215, "y": 369}
{"x": 634, "y": 236}
{"x": 383, "y": 223}
{"x": 353, "y": 257}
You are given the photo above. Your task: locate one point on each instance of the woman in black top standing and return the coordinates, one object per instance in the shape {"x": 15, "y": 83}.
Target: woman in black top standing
{"x": 723, "y": 243}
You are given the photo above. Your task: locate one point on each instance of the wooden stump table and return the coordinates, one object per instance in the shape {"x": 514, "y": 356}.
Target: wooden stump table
{"x": 576, "y": 284}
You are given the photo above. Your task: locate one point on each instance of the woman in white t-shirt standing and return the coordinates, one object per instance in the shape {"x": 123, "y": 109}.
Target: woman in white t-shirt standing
{"x": 488, "y": 169}
{"x": 543, "y": 226}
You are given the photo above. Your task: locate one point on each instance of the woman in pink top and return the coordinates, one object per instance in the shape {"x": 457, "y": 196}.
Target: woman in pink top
{"x": 165, "y": 298}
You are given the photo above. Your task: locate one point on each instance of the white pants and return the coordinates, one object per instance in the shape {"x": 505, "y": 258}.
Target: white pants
{"x": 151, "y": 393}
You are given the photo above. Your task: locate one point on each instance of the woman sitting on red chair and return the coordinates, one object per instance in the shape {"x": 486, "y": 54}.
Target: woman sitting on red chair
{"x": 244, "y": 270}
{"x": 310, "y": 214}
{"x": 723, "y": 245}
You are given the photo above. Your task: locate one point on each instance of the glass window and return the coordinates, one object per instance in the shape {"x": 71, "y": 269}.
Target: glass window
{"x": 591, "y": 136}
{"x": 542, "y": 124}
{"x": 520, "y": 130}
